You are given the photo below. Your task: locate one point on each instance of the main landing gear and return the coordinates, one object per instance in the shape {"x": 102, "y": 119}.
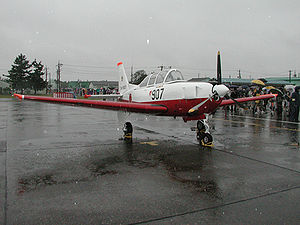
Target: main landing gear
{"x": 128, "y": 130}
{"x": 204, "y": 137}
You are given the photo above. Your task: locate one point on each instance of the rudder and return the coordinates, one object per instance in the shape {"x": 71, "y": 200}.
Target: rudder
{"x": 123, "y": 80}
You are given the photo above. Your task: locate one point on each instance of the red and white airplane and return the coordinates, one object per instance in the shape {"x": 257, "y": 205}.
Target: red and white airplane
{"x": 165, "y": 93}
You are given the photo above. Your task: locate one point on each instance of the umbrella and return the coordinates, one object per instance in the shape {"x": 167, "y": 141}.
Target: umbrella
{"x": 276, "y": 91}
{"x": 258, "y": 82}
{"x": 273, "y": 90}
{"x": 269, "y": 87}
{"x": 263, "y": 80}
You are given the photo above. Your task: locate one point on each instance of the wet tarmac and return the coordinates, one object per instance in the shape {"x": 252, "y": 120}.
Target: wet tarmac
{"x": 66, "y": 165}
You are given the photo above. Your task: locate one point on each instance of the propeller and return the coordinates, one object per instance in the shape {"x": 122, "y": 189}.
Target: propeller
{"x": 219, "y": 74}
{"x": 218, "y": 90}
{"x": 219, "y": 81}
{"x": 238, "y": 103}
{"x": 195, "y": 109}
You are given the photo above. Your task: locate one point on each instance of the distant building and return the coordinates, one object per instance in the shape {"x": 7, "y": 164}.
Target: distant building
{"x": 293, "y": 81}
{"x": 78, "y": 84}
{"x": 4, "y": 87}
{"x": 277, "y": 81}
{"x": 103, "y": 84}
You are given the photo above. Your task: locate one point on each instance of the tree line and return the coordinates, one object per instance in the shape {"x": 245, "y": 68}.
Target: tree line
{"x": 25, "y": 75}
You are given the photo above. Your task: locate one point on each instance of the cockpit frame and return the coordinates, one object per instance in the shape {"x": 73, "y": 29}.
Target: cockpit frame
{"x": 162, "y": 77}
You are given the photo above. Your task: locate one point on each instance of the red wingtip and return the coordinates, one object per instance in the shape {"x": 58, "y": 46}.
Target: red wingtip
{"x": 120, "y": 63}
{"x": 17, "y": 96}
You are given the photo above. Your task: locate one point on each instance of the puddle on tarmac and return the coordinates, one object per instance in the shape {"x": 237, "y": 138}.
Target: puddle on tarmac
{"x": 145, "y": 130}
{"x": 33, "y": 182}
{"x": 194, "y": 169}
{"x": 98, "y": 168}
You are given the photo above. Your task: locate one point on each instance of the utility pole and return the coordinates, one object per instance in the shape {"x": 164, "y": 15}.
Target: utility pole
{"x": 46, "y": 80}
{"x": 46, "y": 72}
{"x": 50, "y": 85}
{"x": 131, "y": 73}
{"x": 239, "y": 74}
{"x": 290, "y": 76}
{"x": 58, "y": 75}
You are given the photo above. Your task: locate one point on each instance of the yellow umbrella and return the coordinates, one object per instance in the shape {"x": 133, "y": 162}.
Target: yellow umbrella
{"x": 270, "y": 87}
{"x": 259, "y": 82}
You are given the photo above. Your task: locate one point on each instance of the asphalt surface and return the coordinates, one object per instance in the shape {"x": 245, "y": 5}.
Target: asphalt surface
{"x": 64, "y": 164}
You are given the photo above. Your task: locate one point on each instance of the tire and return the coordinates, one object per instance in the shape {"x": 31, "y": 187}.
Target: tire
{"x": 127, "y": 128}
{"x": 205, "y": 139}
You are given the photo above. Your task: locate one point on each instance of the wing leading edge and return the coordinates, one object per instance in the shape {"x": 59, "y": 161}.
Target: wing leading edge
{"x": 247, "y": 99}
{"x": 123, "y": 106}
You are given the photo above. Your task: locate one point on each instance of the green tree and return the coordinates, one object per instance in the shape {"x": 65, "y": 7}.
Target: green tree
{"x": 138, "y": 77}
{"x": 17, "y": 75}
{"x": 34, "y": 79}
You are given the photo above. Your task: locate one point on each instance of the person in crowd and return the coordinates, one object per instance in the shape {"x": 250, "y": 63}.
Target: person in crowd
{"x": 294, "y": 105}
{"x": 234, "y": 94}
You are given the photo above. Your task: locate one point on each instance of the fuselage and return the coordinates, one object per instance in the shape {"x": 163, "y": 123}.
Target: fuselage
{"x": 169, "y": 89}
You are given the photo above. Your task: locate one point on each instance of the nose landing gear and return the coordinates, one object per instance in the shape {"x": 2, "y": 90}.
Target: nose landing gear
{"x": 203, "y": 136}
{"x": 128, "y": 130}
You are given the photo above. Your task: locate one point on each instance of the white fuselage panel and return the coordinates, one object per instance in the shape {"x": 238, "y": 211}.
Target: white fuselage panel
{"x": 169, "y": 91}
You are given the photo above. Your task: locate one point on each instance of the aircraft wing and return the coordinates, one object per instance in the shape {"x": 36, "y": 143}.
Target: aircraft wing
{"x": 247, "y": 99}
{"x": 113, "y": 105}
{"x": 109, "y": 96}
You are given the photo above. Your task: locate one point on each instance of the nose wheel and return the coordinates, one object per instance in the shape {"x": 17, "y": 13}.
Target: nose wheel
{"x": 203, "y": 136}
{"x": 128, "y": 130}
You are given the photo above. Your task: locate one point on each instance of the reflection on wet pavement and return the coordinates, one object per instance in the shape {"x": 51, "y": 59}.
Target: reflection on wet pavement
{"x": 191, "y": 169}
{"x": 33, "y": 182}
{"x": 57, "y": 155}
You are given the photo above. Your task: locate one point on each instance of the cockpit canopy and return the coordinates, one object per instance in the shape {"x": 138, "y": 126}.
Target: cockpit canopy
{"x": 164, "y": 76}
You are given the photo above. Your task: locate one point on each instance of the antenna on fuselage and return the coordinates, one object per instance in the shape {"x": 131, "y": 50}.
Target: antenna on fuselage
{"x": 162, "y": 67}
{"x": 219, "y": 75}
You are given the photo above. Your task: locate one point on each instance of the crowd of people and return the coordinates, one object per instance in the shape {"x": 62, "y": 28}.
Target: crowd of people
{"x": 90, "y": 91}
{"x": 286, "y": 103}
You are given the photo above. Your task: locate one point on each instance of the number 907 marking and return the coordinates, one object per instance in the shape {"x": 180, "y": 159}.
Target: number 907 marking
{"x": 157, "y": 93}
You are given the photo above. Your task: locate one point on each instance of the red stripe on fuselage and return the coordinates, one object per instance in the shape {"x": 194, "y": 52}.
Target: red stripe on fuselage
{"x": 180, "y": 107}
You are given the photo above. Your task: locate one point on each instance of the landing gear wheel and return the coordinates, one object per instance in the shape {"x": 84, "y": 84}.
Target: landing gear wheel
{"x": 203, "y": 135}
{"x": 205, "y": 139}
{"x": 128, "y": 130}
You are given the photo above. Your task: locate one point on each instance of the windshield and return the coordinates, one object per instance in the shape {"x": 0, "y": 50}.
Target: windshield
{"x": 145, "y": 82}
{"x": 173, "y": 76}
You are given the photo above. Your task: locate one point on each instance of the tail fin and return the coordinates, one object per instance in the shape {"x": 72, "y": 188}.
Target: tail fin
{"x": 123, "y": 81}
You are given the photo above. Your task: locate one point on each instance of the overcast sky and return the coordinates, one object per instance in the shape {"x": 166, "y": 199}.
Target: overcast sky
{"x": 89, "y": 37}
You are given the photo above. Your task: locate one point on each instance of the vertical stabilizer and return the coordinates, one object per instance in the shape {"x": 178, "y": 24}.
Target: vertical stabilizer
{"x": 123, "y": 81}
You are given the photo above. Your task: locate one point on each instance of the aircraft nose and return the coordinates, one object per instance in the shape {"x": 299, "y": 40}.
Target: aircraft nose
{"x": 221, "y": 89}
